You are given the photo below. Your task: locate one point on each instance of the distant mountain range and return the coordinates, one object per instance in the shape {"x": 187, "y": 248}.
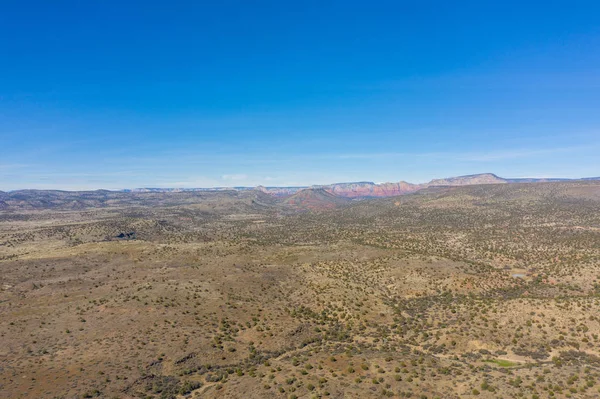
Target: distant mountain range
{"x": 373, "y": 190}
{"x": 275, "y": 199}
{"x": 306, "y": 196}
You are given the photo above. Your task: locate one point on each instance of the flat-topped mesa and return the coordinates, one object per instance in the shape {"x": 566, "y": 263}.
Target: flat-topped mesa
{"x": 483, "y": 178}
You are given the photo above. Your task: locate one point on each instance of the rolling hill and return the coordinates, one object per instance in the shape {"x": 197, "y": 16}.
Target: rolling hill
{"x": 315, "y": 199}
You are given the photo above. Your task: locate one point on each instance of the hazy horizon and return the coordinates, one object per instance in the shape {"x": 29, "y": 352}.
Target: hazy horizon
{"x": 305, "y": 185}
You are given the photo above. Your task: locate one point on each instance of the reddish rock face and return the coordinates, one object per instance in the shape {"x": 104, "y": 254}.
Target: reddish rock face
{"x": 368, "y": 189}
{"x": 372, "y": 190}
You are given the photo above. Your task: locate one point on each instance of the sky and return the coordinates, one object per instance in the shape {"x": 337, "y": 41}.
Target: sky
{"x": 123, "y": 94}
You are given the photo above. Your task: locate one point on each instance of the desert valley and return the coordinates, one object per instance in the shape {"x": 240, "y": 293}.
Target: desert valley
{"x": 479, "y": 289}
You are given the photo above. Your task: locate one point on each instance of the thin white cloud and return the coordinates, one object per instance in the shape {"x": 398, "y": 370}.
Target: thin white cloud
{"x": 13, "y": 166}
{"x": 471, "y": 156}
{"x": 516, "y": 153}
{"x": 235, "y": 177}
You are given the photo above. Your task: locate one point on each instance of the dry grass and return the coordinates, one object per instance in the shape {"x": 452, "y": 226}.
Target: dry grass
{"x": 410, "y": 296}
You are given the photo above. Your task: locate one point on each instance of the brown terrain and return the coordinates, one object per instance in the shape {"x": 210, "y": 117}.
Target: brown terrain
{"x": 455, "y": 290}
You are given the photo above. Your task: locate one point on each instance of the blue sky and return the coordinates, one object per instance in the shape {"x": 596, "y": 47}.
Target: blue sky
{"x": 223, "y": 93}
